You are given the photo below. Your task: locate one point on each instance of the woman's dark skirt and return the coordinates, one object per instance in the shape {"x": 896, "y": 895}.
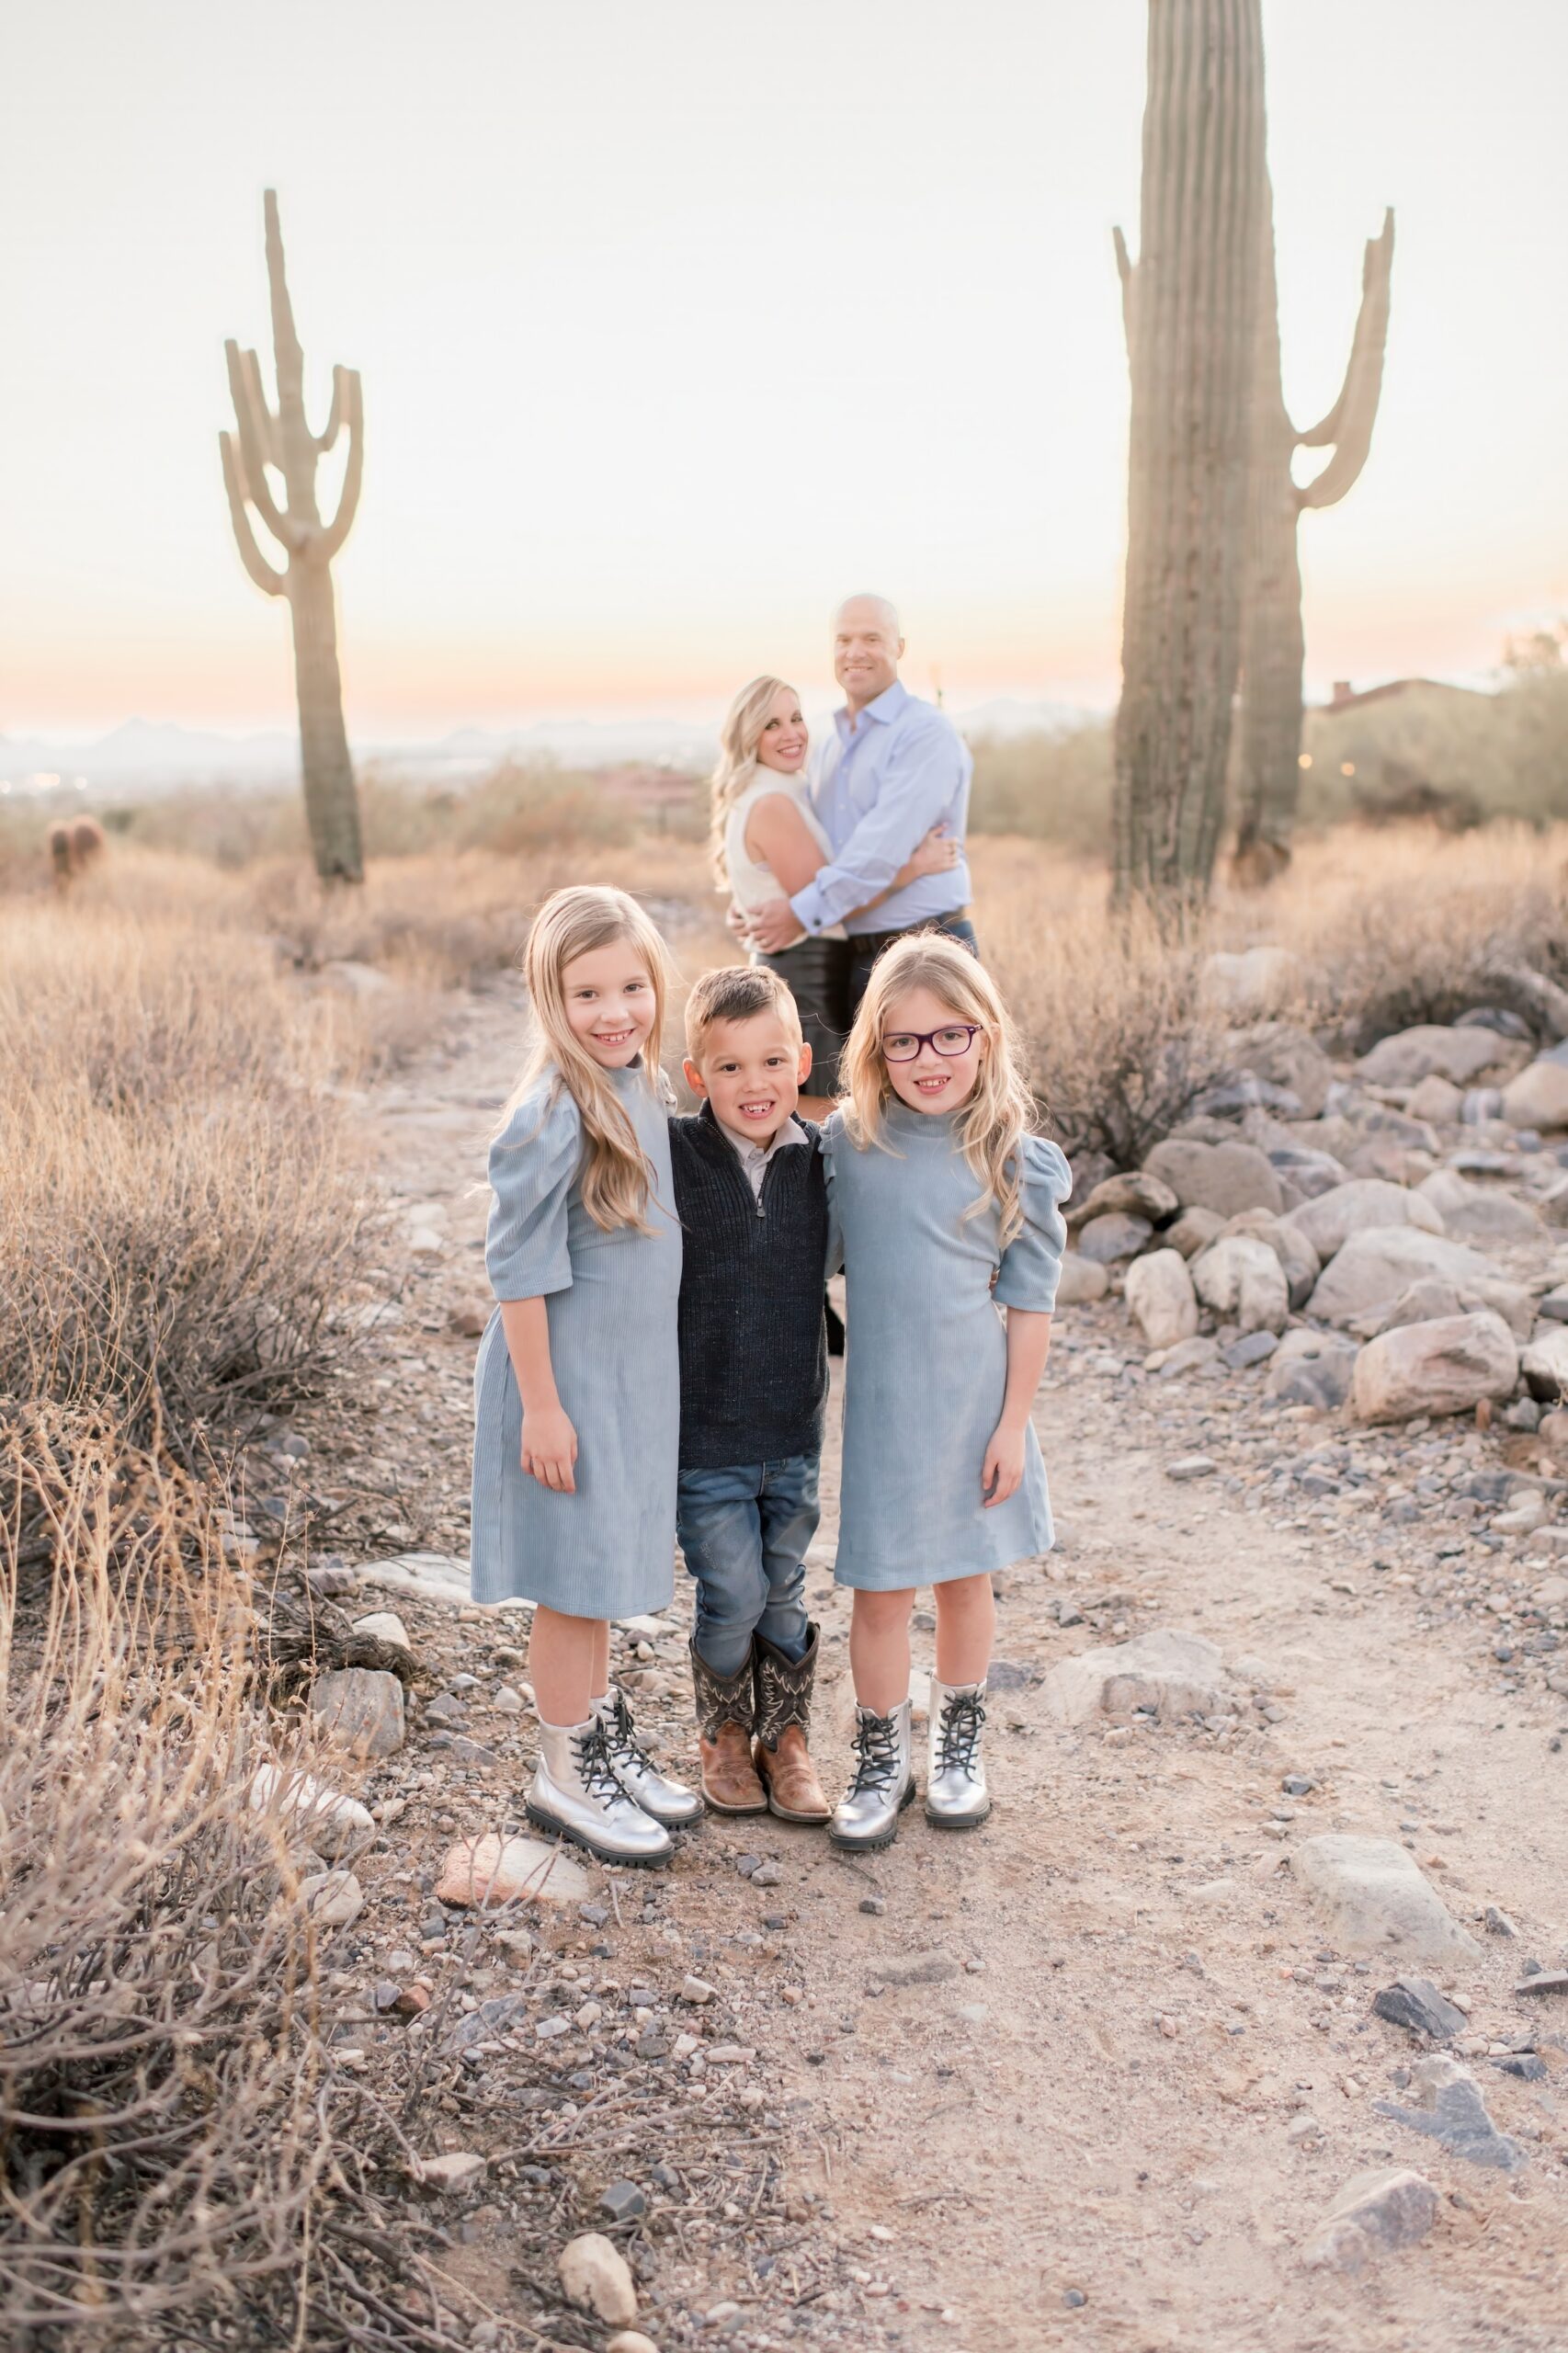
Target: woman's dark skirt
{"x": 816, "y": 972}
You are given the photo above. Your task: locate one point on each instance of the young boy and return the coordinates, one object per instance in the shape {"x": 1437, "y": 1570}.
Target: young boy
{"x": 753, "y": 1206}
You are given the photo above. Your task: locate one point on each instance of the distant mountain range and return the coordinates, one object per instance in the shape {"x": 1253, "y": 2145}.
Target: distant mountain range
{"x": 144, "y": 757}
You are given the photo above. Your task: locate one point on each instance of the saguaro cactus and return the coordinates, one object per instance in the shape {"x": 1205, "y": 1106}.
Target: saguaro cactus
{"x": 1189, "y": 307}
{"x": 1272, "y": 627}
{"x": 282, "y": 441}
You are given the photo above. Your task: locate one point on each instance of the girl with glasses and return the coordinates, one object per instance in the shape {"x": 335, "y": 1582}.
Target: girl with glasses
{"x": 945, "y": 1210}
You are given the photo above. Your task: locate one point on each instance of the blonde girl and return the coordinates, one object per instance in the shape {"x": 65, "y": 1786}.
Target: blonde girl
{"x": 946, "y": 1209}
{"x": 768, "y": 844}
{"x": 577, "y": 1414}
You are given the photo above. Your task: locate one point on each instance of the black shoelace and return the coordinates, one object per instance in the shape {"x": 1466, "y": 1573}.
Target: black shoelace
{"x": 876, "y": 1743}
{"x": 958, "y": 1733}
{"x": 621, "y": 1735}
{"x": 593, "y": 1761}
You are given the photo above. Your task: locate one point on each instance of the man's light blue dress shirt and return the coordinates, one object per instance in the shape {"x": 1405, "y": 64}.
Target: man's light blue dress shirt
{"x": 881, "y": 782}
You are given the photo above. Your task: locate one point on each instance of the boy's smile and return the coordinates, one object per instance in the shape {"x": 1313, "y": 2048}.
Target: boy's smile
{"x": 751, "y": 1073}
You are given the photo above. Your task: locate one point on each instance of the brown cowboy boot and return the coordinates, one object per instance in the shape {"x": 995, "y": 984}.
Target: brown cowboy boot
{"x": 783, "y": 1724}
{"x": 724, "y": 1713}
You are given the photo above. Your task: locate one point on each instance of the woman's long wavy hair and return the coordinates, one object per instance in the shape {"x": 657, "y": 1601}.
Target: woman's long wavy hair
{"x": 990, "y": 1127}
{"x": 615, "y": 1176}
{"x": 738, "y": 739}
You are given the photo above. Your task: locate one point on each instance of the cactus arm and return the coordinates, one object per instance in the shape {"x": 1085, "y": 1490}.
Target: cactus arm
{"x": 287, "y": 356}
{"x": 270, "y": 581}
{"x": 266, "y": 422}
{"x": 1348, "y": 424}
{"x": 252, "y": 440}
{"x": 1126, "y": 269}
{"x": 337, "y": 530}
{"x": 334, "y": 425}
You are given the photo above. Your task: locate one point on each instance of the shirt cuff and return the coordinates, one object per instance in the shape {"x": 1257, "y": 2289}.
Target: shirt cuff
{"x": 808, "y": 905}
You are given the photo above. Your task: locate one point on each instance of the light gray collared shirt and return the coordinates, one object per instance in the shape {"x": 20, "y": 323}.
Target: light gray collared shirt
{"x": 754, "y": 1159}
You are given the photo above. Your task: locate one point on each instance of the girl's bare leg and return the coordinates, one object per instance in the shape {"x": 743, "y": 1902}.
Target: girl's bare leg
{"x": 563, "y": 1655}
{"x": 966, "y": 1630}
{"x": 879, "y": 1648}
{"x": 600, "y": 1678}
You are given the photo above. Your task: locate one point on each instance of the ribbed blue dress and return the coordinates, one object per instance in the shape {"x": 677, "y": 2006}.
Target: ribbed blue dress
{"x": 607, "y": 1551}
{"x": 927, "y": 1366}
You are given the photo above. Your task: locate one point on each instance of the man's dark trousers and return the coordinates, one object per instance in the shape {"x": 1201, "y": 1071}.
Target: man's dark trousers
{"x": 865, "y": 949}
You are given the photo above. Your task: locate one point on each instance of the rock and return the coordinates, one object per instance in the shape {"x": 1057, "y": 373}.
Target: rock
{"x": 1194, "y": 1230}
{"x": 1161, "y": 1296}
{"x": 1370, "y": 1894}
{"x": 1411, "y": 1055}
{"x": 917, "y": 1969}
{"x": 497, "y": 2016}
{"x": 1290, "y": 1246}
{"x": 1446, "y": 1366}
{"x": 1224, "y": 1177}
{"x": 1240, "y": 1280}
{"x": 631, "y": 2340}
{"x": 1538, "y": 1098}
{"x": 1308, "y": 1173}
{"x": 1253, "y": 1347}
{"x": 1311, "y": 1369}
{"x": 386, "y": 1626}
{"x": 459, "y": 2169}
{"x": 1330, "y": 1219}
{"x": 1191, "y": 1466}
{"x": 1454, "y": 2112}
{"x": 596, "y": 2276}
{"x": 1136, "y": 1194}
{"x": 1554, "y": 1430}
{"x": 1373, "y": 2213}
{"x": 1188, "y": 1356}
{"x": 469, "y": 1317}
{"x": 491, "y": 1870}
{"x": 434, "y": 1576}
{"x": 1479, "y": 1212}
{"x": 1416, "y": 2003}
{"x": 1081, "y": 1281}
{"x": 1544, "y": 1362}
{"x": 329, "y": 1820}
{"x": 1286, "y": 1057}
{"x": 1544, "y": 1980}
{"x": 1250, "y": 983}
{"x": 1437, "y": 1099}
{"x": 1173, "y": 1674}
{"x": 1429, "y": 1299}
{"x": 1105, "y": 1239}
{"x": 1553, "y": 1206}
{"x": 333, "y": 1899}
{"x": 361, "y": 1710}
{"x": 623, "y": 2201}
{"x": 1376, "y": 1265}
{"x": 696, "y": 1989}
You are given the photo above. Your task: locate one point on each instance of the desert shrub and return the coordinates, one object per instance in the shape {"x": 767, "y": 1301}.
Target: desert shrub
{"x": 1049, "y": 785}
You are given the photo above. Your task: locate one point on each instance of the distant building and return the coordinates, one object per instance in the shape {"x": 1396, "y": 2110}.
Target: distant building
{"x": 1343, "y": 697}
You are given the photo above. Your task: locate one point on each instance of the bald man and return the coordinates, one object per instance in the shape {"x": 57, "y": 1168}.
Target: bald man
{"x": 890, "y": 769}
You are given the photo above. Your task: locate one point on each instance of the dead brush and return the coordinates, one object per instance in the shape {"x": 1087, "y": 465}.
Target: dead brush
{"x": 181, "y": 2161}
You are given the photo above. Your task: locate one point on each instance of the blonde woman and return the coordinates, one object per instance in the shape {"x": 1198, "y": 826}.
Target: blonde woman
{"x": 578, "y": 1388}
{"x": 945, "y": 1208}
{"x": 768, "y": 844}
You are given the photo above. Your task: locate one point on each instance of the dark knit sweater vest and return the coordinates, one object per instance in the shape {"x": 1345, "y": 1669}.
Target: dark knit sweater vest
{"x": 753, "y": 1347}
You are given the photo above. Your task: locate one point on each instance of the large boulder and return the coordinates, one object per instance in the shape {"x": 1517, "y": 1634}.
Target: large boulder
{"x": 1081, "y": 1282}
{"x": 1376, "y": 1265}
{"x": 1241, "y": 1279}
{"x": 1544, "y": 1362}
{"x": 1160, "y": 1294}
{"x": 1224, "y": 1177}
{"x": 1430, "y": 1298}
{"x": 1444, "y": 1367}
{"x": 1437, "y": 1100}
{"x": 1480, "y": 1213}
{"x": 1285, "y": 1056}
{"x": 1290, "y": 1245}
{"x": 1135, "y": 1194}
{"x": 1330, "y": 1219}
{"x": 1539, "y": 1097}
{"x": 1104, "y": 1240}
{"x": 1194, "y": 1230}
{"x": 1411, "y": 1055}
{"x": 1311, "y": 1369}
{"x": 1371, "y": 1897}
{"x": 1305, "y": 1170}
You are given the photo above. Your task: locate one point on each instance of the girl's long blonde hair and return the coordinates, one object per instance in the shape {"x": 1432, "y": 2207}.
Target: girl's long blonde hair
{"x": 615, "y": 1176}
{"x": 738, "y": 739}
{"x": 990, "y": 1127}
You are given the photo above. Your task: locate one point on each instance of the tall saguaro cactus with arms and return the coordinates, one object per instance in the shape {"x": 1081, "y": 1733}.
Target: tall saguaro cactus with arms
{"x": 1190, "y": 307}
{"x": 281, "y": 442}
{"x": 1271, "y": 641}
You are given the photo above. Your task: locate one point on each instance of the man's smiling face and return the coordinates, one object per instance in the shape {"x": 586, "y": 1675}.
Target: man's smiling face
{"x": 752, "y": 1073}
{"x": 865, "y": 649}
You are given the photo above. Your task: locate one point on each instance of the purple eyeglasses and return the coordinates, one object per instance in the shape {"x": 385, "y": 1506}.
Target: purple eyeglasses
{"x": 903, "y": 1045}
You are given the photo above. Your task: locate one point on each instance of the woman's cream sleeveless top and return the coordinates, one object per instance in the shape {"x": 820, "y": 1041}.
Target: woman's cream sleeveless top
{"x": 751, "y": 883}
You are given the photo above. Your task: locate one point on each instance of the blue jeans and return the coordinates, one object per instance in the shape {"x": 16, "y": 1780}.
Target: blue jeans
{"x": 744, "y": 1530}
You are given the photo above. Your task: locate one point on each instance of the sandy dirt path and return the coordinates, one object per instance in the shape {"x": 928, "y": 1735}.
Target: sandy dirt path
{"x": 1090, "y": 2076}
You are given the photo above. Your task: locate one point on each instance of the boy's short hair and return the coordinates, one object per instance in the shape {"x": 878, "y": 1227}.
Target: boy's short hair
{"x": 736, "y": 992}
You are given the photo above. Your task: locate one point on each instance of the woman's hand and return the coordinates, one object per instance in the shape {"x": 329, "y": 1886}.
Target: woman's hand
{"x": 550, "y": 1449}
{"x": 1003, "y": 1468}
{"x": 937, "y": 854}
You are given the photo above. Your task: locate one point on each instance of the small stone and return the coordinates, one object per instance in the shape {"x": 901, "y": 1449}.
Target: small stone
{"x": 458, "y": 2169}
{"x": 333, "y": 1899}
{"x": 595, "y": 2275}
{"x": 1253, "y": 1347}
{"x": 1416, "y": 2003}
{"x": 1373, "y": 2213}
{"x": 623, "y": 2201}
{"x": 1074, "y": 2299}
{"x": 361, "y": 1710}
{"x": 696, "y": 1989}
{"x": 1191, "y": 1466}
{"x": 1454, "y": 2113}
{"x": 631, "y": 2340}
{"x": 875, "y": 1904}
{"x": 1544, "y": 1980}
{"x": 768, "y": 1875}
{"x": 1497, "y": 1923}
{"x": 490, "y": 1870}
{"x": 332, "y": 1822}
{"x": 469, "y": 1317}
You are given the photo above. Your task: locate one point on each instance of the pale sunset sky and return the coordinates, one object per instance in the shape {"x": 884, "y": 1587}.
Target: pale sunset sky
{"x": 678, "y": 319}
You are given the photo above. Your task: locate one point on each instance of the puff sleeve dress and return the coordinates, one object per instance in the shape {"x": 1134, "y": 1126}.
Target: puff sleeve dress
{"x": 608, "y": 1550}
{"x": 927, "y": 1366}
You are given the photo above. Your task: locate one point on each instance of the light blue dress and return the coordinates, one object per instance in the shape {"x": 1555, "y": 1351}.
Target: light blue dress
{"x": 926, "y": 1368}
{"x": 607, "y": 1551}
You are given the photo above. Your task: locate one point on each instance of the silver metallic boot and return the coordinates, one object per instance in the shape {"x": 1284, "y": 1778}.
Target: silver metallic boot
{"x": 867, "y": 1814}
{"x": 667, "y": 1801}
{"x": 956, "y": 1796}
{"x": 574, "y": 1792}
